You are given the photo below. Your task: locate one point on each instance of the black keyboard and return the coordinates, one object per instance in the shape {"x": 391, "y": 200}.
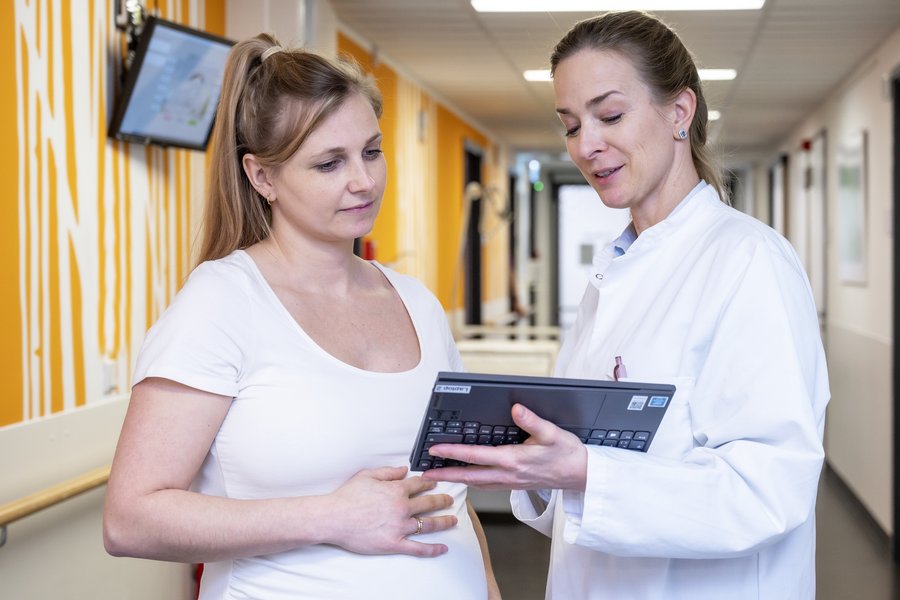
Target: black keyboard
{"x": 475, "y": 409}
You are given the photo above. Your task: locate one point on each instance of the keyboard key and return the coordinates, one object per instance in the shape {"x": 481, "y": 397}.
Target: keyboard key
{"x": 636, "y": 445}
{"x": 468, "y": 430}
{"x": 624, "y": 443}
{"x": 438, "y": 423}
{"x": 484, "y": 440}
{"x": 434, "y": 429}
{"x": 582, "y": 433}
{"x": 627, "y": 435}
{"x": 497, "y": 440}
{"x": 642, "y": 435}
{"x": 598, "y": 434}
{"x": 499, "y": 430}
{"x": 485, "y": 430}
{"x": 454, "y": 429}
{"x": 443, "y": 438}
{"x": 474, "y": 424}
{"x": 610, "y": 442}
{"x": 470, "y": 439}
{"x": 424, "y": 465}
{"x": 513, "y": 431}
{"x": 454, "y": 424}
{"x": 613, "y": 434}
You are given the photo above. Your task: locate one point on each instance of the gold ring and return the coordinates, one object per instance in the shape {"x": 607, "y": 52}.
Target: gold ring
{"x": 419, "y": 523}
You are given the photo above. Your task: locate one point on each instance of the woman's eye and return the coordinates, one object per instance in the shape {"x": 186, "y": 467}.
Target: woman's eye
{"x": 372, "y": 153}
{"x": 572, "y": 131}
{"x": 612, "y": 119}
{"x": 330, "y": 165}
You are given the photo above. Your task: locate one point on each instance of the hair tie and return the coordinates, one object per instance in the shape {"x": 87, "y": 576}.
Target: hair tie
{"x": 270, "y": 51}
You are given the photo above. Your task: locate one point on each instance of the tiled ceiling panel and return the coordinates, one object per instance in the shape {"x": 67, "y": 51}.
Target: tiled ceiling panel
{"x": 789, "y": 55}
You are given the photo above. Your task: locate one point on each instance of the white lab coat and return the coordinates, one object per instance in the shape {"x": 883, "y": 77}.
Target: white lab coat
{"x": 722, "y": 505}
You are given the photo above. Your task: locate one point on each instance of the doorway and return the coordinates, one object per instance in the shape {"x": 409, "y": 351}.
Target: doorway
{"x": 895, "y": 95}
{"x": 472, "y": 255}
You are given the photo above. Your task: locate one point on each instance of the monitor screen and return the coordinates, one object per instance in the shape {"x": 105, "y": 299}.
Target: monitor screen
{"x": 172, "y": 88}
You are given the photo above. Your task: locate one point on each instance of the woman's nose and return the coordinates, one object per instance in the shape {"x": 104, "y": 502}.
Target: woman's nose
{"x": 588, "y": 142}
{"x": 361, "y": 179}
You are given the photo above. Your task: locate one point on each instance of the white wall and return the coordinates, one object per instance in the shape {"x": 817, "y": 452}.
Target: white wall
{"x": 58, "y": 552}
{"x": 858, "y": 323}
{"x": 308, "y": 23}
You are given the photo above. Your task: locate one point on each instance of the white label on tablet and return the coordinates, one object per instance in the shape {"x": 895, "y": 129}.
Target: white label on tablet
{"x": 453, "y": 389}
{"x": 637, "y": 403}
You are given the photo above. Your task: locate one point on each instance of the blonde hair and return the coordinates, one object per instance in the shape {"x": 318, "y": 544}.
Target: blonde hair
{"x": 663, "y": 63}
{"x": 272, "y": 99}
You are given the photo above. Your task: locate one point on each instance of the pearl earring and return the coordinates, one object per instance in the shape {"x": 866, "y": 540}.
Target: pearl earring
{"x": 269, "y": 199}
{"x": 682, "y": 134}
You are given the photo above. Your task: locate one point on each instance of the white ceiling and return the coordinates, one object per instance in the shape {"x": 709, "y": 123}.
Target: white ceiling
{"x": 790, "y": 56}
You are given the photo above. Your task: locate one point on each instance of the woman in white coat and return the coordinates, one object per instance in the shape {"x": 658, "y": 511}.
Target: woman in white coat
{"x": 695, "y": 294}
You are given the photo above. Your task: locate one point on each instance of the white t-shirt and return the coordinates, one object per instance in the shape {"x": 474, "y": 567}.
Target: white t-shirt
{"x": 302, "y": 422}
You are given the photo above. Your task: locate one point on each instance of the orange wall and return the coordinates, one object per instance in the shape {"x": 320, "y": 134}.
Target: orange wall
{"x": 452, "y": 135}
{"x": 96, "y": 236}
{"x": 10, "y": 316}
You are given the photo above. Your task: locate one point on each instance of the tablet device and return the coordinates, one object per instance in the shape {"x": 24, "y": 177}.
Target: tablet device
{"x": 474, "y": 408}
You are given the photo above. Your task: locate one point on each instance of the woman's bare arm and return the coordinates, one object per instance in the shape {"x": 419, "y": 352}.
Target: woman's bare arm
{"x": 150, "y": 512}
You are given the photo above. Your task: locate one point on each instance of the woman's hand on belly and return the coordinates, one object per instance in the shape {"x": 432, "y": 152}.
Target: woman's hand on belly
{"x": 377, "y": 512}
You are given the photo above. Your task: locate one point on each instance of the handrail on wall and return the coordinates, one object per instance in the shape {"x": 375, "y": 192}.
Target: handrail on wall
{"x": 18, "y": 509}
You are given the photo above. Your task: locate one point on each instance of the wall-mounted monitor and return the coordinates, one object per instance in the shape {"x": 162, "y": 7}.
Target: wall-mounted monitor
{"x": 172, "y": 88}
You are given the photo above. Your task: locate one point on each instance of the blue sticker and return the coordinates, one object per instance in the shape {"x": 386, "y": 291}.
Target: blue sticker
{"x": 658, "y": 401}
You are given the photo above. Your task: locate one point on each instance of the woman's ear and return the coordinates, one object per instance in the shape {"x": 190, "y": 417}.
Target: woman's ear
{"x": 683, "y": 107}
{"x": 258, "y": 175}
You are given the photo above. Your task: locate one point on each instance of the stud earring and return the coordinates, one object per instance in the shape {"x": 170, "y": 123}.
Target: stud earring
{"x": 269, "y": 199}
{"x": 682, "y": 134}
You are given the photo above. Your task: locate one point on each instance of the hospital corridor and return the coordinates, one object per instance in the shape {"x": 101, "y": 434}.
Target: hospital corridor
{"x": 335, "y": 275}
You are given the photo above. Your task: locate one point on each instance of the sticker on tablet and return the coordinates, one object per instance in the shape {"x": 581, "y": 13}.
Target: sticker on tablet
{"x": 637, "y": 403}
{"x": 453, "y": 389}
{"x": 658, "y": 401}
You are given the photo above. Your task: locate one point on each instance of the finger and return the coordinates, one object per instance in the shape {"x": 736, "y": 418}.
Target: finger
{"x": 539, "y": 429}
{"x": 386, "y": 473}
{"x": 429, "y": 503}
{"x": 474, "y": 455}
{"x": 481, "y": 477}
{"x": 433, "y": 524}
{"x": 420, "y": 549}
{"x": 417, "y": 485}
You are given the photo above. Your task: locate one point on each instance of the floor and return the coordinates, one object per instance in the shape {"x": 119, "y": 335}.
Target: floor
{"x": 852, "y": 561}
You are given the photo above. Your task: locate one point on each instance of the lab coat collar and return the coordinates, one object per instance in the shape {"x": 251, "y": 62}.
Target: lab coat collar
{"x": 631, "y": 244}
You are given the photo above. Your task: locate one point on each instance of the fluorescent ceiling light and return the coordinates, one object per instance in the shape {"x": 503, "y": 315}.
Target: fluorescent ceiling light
{"x": 717, "y": 74}
{"x": 713, "y": 115}
{"x": 705, "y": 74}
{"x": 605, "y": 5}
{"x": 538, "y": 75}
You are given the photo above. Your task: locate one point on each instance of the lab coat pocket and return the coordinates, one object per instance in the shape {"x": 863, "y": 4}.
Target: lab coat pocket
{"x": 675, "y": 436}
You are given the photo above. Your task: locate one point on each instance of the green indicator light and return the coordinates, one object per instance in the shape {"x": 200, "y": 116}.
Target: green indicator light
{"x": 538, "y": 186}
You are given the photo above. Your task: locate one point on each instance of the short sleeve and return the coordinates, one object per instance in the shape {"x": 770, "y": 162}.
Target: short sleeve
{"x": 203, "y": 338}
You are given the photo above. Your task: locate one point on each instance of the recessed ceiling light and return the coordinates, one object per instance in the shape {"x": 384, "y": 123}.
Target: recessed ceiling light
{"x": 538, "y": 75}
{"x": 606, "y": 5}
{"x": 717, "y": 74}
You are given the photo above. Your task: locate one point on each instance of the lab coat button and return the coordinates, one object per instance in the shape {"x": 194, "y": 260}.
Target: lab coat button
{"x": 599, "y": 276}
